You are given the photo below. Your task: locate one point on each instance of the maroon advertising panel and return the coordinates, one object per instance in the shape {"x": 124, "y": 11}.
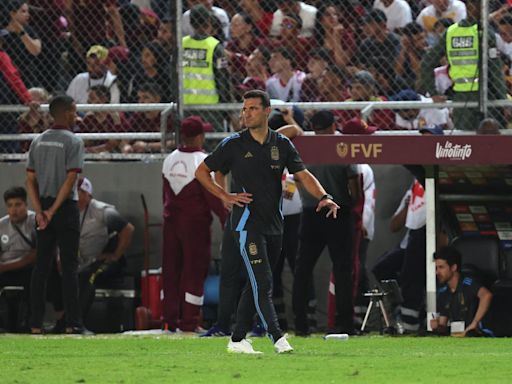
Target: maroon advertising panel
{"x": 376, "y": 149}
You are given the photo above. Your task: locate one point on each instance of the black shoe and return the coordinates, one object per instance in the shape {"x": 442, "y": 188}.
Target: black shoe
{"x": 59, "y": 327}
{"x": 79, "y": 331}
{"x": 302, "y": 333}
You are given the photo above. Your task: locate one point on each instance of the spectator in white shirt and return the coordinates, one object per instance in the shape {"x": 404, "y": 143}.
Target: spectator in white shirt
{"x": 97, "y": 74}
{"x": 305, "y": 11}
{"x": 411, "y": 119}
{"x": 398, "y": 13}
{"x": 439, "y": 9}
{"x": 285, "y": 83}
{"x": 219, "y": 13}
{"x": 504, "y": 36}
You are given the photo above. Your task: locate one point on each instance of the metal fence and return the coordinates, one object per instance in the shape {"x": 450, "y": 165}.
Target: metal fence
{"x": 121, "y": 51}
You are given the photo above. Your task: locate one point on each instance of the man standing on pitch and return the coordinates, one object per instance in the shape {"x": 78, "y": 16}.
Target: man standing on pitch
{"x": 256, "y": 158}
{"x": 54, "y": 161}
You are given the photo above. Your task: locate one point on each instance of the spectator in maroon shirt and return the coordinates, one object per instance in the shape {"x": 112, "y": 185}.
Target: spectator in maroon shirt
{"x": 243, "y": 43}
{"x": 22, "y": 44}
{"x": 149, "y": 121}
{"x": 363, "y": 88}
{"x": 99, "y": 122}
{"x": 331, "y": 34}
{"x": 318, "y": 64}
{"x": 290, "y": 38}
{"x": 261, "y": 18}
{"x": 34, "y": 120}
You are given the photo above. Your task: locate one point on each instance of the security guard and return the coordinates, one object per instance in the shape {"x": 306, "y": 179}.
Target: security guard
{"x": 461, "y": 46}
{"x": 205, "y": 73}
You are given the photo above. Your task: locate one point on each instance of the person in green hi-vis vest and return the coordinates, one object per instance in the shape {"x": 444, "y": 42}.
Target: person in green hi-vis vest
{"x": 461, "y": 46}
{"x": 205, "y": 73}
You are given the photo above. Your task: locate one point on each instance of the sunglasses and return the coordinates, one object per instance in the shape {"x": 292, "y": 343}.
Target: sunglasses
{"x": 289, "y": 25}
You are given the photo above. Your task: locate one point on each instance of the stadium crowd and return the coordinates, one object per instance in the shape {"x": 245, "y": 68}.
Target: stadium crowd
{"x": 122, "y": 52}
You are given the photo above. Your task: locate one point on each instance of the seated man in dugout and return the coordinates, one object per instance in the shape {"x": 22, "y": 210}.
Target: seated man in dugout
{"x": 461, "y": 302}
{"x": 17, "y": 249}
{"x": 105, "y": 236}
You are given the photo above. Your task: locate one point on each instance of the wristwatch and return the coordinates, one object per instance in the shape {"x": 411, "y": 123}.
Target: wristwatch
{"x": 326, "y": 196}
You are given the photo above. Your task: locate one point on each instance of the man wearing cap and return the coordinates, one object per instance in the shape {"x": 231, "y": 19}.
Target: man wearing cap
{"x": 256, "y": 158}
{"x": 317, "y": 232}
{"x": 97, "y": 74}
{"x": 105, "y": 236}
{"x": 205, "y": 68}
{"x": 461, "y": 45}
{"x": 17, "y": 246}
{"x": 306, "y": 12}
{"x": 363, "y": 88}
{"x": 186, "y": 229}
{"x": 411, "y": 119}
{"x": 55, "y": 159}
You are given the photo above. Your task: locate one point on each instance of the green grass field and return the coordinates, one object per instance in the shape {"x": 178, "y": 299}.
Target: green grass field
{"x": 174, "y": 359}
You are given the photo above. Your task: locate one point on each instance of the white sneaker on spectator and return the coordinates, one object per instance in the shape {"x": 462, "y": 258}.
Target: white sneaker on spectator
{"x": 242, "y": 346}
{"x": 282, "y": 345}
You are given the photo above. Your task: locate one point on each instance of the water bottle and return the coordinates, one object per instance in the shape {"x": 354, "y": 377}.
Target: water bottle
{"x": 336, "y": 336}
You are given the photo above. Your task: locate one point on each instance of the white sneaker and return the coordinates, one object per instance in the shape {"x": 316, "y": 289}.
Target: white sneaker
{"x": 282, "y": 345}
{"x": 242, "y": 346}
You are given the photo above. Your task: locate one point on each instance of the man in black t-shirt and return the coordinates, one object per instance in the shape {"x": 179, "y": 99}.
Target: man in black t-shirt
{"x": 256, "y": 158}
{"x": 461, "y": 299}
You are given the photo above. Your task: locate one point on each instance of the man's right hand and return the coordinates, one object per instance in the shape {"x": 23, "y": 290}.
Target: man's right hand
{"x": 42, "y": 221}
{"x": 239, "y": 199}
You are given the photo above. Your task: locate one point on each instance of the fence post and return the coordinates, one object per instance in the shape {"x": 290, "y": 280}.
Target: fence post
{"x": 178, "y": 9}
{"x": 484, "y": 59}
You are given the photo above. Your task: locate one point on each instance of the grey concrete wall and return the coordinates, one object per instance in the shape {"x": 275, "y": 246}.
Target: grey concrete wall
{"x": 121, "y": 184}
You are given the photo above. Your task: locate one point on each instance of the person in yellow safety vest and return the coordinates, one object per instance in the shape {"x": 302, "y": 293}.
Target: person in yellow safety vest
{"x": 461, "y": 46}
{"x": 205, "y": 74}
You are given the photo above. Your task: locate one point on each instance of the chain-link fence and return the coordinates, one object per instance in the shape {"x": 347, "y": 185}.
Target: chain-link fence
{"x": 121, "y": 51}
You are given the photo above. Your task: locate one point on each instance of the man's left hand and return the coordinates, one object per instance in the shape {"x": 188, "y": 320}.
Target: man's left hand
{"x": 331, "y": 205}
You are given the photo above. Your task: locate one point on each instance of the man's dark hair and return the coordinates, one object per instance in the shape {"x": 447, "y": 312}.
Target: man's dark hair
{"x": 258, "y": 94}
{"x": 199, "y": 16}
{"x": 59, "y": 104}
{"x": 101, "y": 91}
{"x": 15, "y": 193}
{"x": 445, "y": 22}
{"x": 286, "y": 53}
{"x": 151, "y": 88}
{"x": 449, "y": 254}
{"x": 412, "y": 28}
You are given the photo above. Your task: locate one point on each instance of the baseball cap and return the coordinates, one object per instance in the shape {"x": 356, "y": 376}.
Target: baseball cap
{"x": 364, "y": 78}
{"x": 85, "y": 185}
{"x": 406, "y": 95}
{"x": 99, "y": 51}
{"x": 321, "y": 120}
{"x": 357, "y": 126}
{"x": 433, "y": 130}
{"x": 194, "y": 125}
{"x": 375, "y": 16}
{"x": 276, "y": 119}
